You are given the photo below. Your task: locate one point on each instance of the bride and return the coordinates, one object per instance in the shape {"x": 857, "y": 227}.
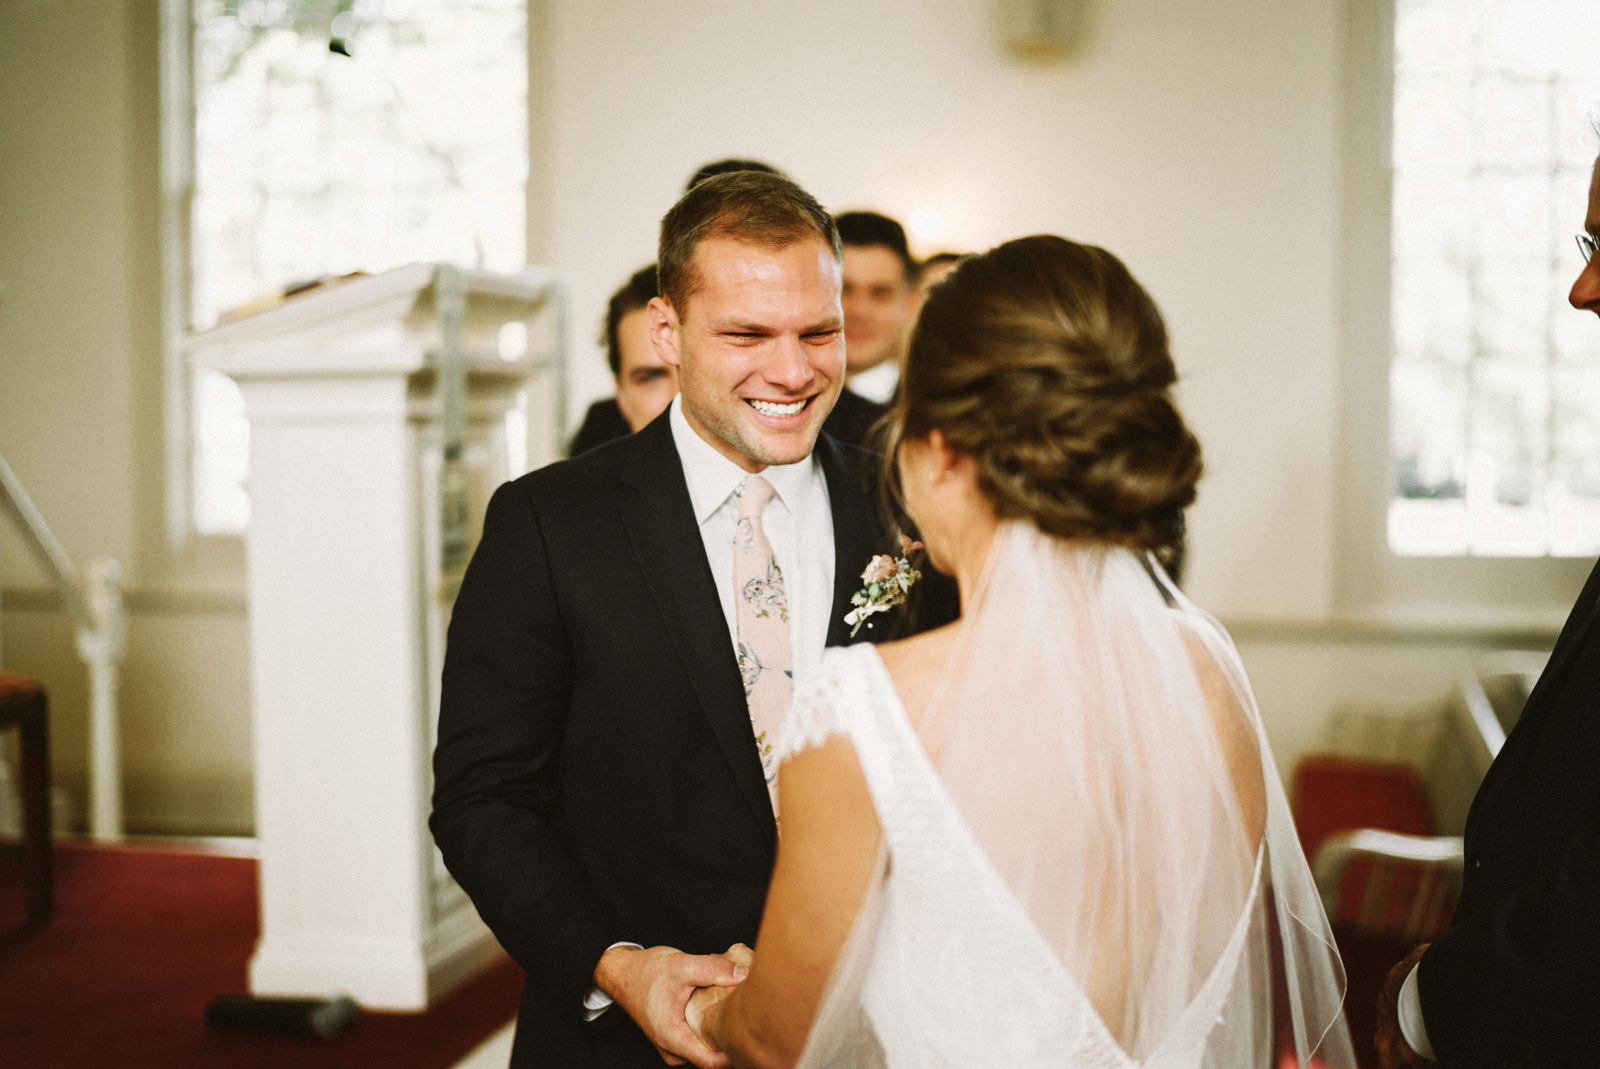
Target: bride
{"x": 1052, "y": 832}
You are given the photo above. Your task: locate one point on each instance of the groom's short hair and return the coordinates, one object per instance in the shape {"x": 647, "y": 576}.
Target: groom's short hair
{"x": 765, "y": 210}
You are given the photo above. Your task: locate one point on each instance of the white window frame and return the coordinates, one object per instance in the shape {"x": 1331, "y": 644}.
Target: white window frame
{"x": 1457, "y": 593}
{"x": 216, "y": 557}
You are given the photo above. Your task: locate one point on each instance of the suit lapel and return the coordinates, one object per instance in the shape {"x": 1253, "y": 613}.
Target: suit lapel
{"x": 1571, "y": 639}
{"x": 853, "y": 530}
{"x": 655, "y": 509}
{"x": 1543, "y": 704}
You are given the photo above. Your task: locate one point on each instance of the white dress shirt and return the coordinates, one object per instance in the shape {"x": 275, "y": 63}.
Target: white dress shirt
{"x": 878, "y": 382}
{"x": 1409, "y": 1012}
{"x": 798, "y": 522}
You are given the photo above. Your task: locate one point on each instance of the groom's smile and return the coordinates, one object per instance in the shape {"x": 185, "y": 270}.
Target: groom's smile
{"x": 759, "y": 348}
{"x": 777, "y": 410}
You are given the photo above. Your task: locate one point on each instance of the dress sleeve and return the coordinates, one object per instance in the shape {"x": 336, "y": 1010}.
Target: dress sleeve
{"x": 818, "y": 711}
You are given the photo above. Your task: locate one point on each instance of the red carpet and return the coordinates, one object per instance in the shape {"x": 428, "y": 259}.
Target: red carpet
{"x": 144, "y": 937}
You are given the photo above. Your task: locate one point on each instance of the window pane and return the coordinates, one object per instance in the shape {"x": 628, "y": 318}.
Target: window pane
{"x": 311, "y": 162}
{"x": 1574, "y": 490}
{"x": 1430, "y": 429}
{"x": 1432, "y": 303}
{"x": 1432, "y": 214}
{"x": 1493, "y": 415}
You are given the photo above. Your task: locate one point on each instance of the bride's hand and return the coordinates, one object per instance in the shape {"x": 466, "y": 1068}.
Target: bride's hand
{"x": 705, "y": 1005}
{"x": 702, "y": 1011}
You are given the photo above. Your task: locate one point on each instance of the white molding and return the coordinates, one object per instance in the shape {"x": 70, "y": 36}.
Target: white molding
{"x": 141, "y": 601}
{"x": 1491, "y": 627}
{"x": 1497, "y": 629}
{"x": 177, "y": 197}
{"x": 363, "y": 315}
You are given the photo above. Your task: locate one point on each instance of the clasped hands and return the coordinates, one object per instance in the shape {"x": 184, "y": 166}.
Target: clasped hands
{"x": 674, "y": 996}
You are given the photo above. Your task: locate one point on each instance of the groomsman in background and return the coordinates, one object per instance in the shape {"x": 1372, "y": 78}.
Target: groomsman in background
{"x": 930, "y": 273}
{"x": 1515, "y": 978}
{"x": 878, "y": 276}
{"x": 645, "y": 385}
{"x": 877, "y": 309}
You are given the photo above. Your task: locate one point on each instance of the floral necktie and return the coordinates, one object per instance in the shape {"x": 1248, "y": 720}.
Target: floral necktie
{"x": 762, "y": 614}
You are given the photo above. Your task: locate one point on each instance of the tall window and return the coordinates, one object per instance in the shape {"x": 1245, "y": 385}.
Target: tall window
{"x": 336, "y": 136}
{"x": 1495, "y": 382}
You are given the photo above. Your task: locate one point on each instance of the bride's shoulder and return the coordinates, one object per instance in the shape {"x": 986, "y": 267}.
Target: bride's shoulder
{"x": 918, "y": 652}
{"x": 850, "y": 687}
{"x": 914, "y": 665}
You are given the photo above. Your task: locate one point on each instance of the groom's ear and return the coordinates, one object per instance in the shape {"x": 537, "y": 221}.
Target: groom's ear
{"x": 665, "y": 330}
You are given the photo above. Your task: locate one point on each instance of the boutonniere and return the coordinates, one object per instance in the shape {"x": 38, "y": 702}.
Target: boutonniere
{"x": 888, "y": 580}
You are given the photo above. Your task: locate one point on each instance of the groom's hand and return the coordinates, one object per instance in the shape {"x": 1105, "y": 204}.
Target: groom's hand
{"x": 653, "y": 986}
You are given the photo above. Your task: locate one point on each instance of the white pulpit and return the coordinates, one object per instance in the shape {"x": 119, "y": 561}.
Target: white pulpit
{"x": 383, "y": 411}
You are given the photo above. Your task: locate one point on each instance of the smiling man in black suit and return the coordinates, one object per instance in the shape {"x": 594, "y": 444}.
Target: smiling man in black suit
{"x": 600, "y": 791}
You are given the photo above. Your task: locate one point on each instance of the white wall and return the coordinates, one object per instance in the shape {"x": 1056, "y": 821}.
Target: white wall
{"x": 80, "y": 416}
{"x": 1198, "y": 141}
{"x": 1201, "y": 140}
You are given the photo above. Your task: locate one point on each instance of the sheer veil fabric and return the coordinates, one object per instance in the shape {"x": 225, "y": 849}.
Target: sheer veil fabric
{"x": 1071, "y": 873}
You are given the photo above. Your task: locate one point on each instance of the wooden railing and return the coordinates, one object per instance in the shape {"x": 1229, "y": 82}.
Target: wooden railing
{"x": 94, "y": 602}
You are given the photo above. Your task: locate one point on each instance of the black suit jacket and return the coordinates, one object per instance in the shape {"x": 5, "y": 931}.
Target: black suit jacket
{"x": 602, "y": 423}
{"x": 852, "y": 419}
{"x": 1515, "y": 979}
{"x": 596, "y": 779}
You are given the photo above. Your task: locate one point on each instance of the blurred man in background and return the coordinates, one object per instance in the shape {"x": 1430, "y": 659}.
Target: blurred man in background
{"x": 644, "y": 384}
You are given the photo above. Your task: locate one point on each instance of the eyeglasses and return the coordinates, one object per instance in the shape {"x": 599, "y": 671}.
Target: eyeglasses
{"x": 1588, "y": 246}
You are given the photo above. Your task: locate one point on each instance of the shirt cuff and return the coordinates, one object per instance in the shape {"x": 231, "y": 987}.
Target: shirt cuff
{"x": 596, "y": 1001}
{"x": 1408, "y": 1008}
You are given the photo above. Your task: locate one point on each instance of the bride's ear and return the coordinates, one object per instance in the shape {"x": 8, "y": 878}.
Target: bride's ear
{"x": 947, "y": 462}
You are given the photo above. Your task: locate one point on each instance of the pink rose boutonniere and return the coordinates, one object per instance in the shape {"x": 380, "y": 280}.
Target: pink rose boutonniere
{"x": 888, "y": 580}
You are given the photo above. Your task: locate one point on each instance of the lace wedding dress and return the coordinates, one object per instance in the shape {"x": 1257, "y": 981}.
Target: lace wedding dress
{"x": 1075, "y": 878}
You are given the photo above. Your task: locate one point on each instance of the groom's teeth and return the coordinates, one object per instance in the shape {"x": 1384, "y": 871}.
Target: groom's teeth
{"x": 767, "y": 408}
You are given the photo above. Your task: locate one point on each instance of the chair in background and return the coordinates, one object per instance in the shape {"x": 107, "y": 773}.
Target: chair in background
{"x": 25, "y": 706}
{"x": 1409, "y": 776}
{"x": 1381, "y": 816}
{"x": 1497, "y": 688}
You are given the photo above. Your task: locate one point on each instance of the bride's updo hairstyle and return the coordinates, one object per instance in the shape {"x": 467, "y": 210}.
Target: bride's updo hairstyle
{"x": 1047, "y": 363}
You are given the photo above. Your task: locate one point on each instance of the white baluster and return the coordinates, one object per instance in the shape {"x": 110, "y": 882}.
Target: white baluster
{"x": 101, "y": 645}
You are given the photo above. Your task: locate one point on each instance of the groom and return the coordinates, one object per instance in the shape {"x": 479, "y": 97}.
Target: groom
{"x": 600, "y": 791}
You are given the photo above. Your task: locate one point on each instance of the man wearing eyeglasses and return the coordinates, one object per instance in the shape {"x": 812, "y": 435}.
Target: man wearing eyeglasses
{"x": 1515, "y": 978}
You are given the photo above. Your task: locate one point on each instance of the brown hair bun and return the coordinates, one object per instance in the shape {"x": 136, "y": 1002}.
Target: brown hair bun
{"x": 1047, "y": 362}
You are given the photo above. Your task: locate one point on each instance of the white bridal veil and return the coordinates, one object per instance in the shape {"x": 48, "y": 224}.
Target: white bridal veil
{"x": 1098, "y": 736}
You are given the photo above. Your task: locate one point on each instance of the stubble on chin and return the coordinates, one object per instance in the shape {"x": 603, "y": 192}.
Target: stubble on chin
{"x": 772, "y": 450}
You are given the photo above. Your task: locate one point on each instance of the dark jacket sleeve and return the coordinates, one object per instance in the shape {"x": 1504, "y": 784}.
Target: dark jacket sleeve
{"x": 1517, "y": 982}
{"x": 1515, "y": 979}
{"x": 505, "y": 697}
